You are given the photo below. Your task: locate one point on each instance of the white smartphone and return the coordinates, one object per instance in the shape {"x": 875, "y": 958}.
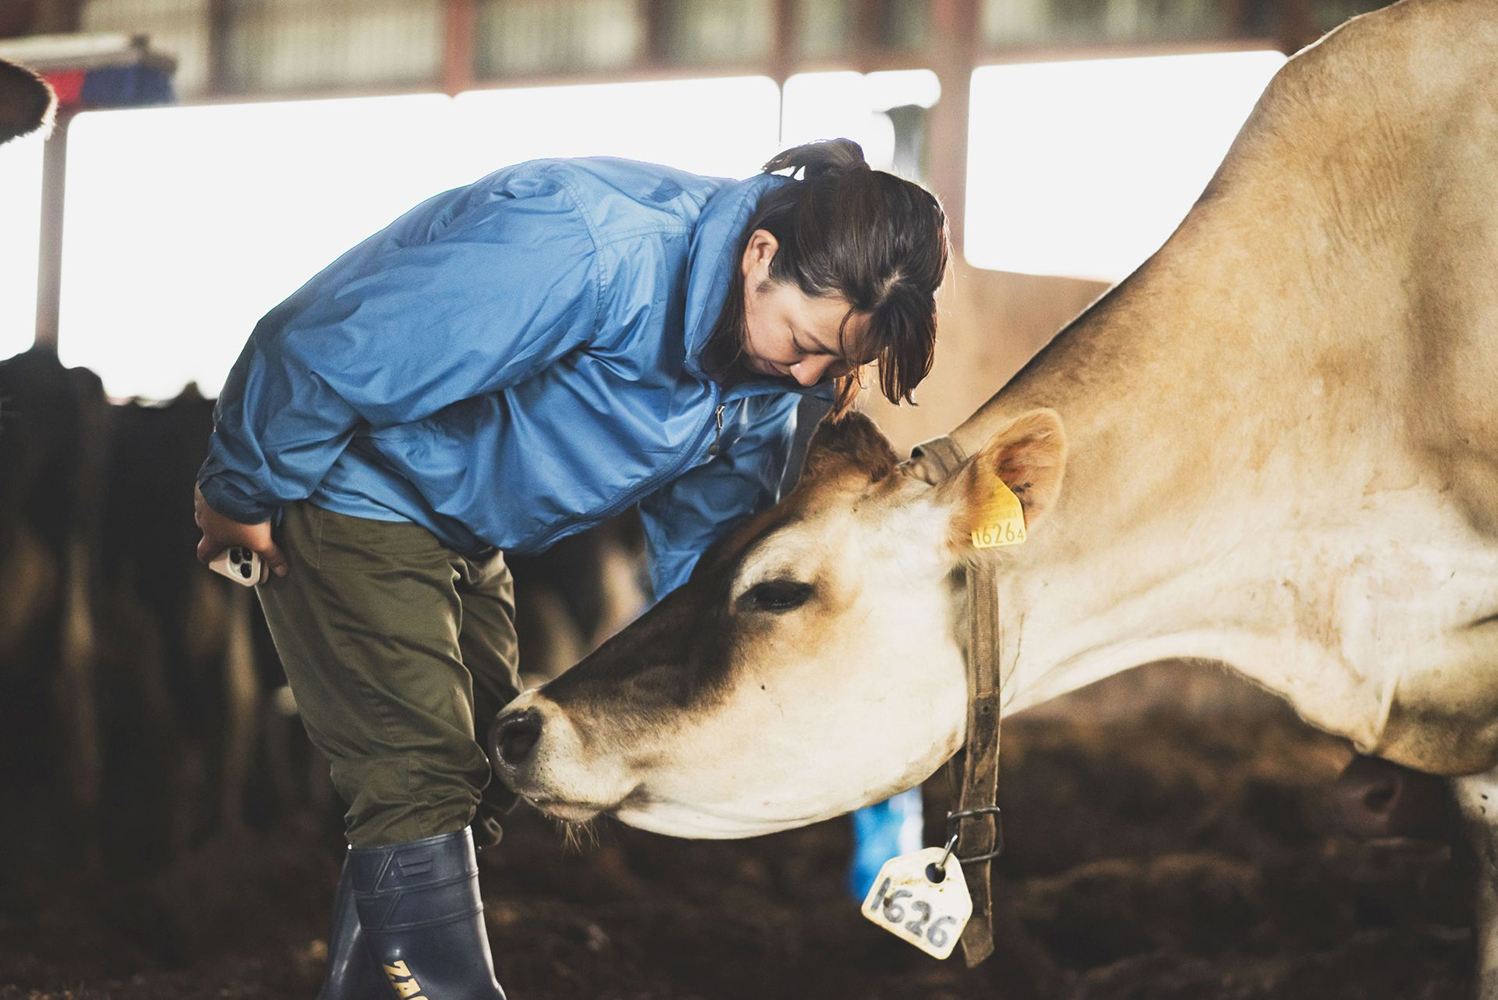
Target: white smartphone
{"x": 239, "y": 564}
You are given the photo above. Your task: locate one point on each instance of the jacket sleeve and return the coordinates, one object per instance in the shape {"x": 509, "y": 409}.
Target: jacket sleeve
{"x": 469, "y": 293}
{"x": 696, "y": 509}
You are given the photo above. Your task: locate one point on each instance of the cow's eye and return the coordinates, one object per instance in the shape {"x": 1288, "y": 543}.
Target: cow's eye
{"x": 775, "y": 595}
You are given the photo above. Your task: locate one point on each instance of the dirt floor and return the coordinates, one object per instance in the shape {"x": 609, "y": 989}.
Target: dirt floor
{"x": 1152, "y": 855}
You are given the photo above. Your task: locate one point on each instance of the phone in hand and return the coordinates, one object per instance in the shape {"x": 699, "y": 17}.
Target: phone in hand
{"x": 239, "y": 564}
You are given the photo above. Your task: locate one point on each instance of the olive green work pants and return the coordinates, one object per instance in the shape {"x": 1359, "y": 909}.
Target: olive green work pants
{"x": 394, "y": 645}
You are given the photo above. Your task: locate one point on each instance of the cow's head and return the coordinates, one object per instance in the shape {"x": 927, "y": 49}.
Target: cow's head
{"x": 811, "y": 666}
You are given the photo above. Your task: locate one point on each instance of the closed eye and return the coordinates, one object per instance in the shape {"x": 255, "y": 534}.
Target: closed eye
{"x": 775, "y": 596}
{"x": 815, "y": 348}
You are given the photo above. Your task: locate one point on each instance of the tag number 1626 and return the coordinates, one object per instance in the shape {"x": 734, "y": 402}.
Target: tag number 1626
{"x": 889, "y": 903}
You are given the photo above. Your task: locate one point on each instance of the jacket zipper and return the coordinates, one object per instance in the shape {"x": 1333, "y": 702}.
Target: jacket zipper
{"x": 717, "y": 434}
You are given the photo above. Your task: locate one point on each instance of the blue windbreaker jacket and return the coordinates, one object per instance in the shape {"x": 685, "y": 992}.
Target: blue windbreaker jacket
{"x": 512, "y": 362}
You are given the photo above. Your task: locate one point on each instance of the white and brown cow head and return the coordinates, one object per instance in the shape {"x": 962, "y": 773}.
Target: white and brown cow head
{"x": 809, "y": 667}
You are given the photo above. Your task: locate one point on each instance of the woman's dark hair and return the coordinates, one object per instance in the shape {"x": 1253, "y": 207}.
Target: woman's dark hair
{"x": 871, "y": 238}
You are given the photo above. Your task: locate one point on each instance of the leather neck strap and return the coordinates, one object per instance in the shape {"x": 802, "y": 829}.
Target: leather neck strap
{"x": 974, "y": 770}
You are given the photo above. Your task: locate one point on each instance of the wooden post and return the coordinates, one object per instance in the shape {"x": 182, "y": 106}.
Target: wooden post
{"x": 953, "y": 46}
{"x": 220, "y": 27}
{"x": 1297, "y": 27}
{"x": 782, "y": 52}
{"x": 658, "y": 21}
{"x": 460, "y": 49}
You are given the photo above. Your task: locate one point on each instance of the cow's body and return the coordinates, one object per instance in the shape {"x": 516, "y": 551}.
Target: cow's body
{"x": 1279, "y": 447}
{"x": 1304, "y": 383}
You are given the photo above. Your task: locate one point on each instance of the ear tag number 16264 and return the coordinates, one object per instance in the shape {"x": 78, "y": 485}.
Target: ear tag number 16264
{"x": 1003, "y": 522}
{"x": 924, "y": 904}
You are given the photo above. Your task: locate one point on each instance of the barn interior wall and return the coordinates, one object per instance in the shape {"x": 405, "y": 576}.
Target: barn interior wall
{"x": 989, "y": 324}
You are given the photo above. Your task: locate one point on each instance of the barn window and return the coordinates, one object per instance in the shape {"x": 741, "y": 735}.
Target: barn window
{"x": 882, "y": 111}
{"x": 185, "y": 225}
{"x": 541, "y": 36}
{"x": 703, "y": 31}
{"x": 1063, "y": 22}
{"x": 1084, "y": 168}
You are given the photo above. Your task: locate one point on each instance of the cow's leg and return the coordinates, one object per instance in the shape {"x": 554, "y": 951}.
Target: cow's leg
{"x": 241, "y": 706}
{"x": 76, "y": 695}
{"x": 1477, "y": 796}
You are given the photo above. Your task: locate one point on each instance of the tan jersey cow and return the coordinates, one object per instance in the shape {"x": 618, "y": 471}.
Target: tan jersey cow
{"x": 1275, "y": 446}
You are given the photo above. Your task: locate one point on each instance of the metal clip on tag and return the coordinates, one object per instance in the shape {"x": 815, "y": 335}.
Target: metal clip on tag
{"x": 955, "y": 818}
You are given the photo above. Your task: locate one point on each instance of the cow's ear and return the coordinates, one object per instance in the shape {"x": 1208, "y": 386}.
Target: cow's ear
{"x": 1028, "y": 456}
{"x": 849, "y": 443}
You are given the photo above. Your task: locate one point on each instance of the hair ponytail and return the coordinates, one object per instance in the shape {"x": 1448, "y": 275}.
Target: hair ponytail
{"x": 877, "y": 241}
{"x": 813, "y": 159}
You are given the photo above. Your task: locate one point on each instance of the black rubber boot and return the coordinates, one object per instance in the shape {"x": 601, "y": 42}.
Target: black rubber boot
{"x": 423, "y": 922}
{"x": 352, "y": 972}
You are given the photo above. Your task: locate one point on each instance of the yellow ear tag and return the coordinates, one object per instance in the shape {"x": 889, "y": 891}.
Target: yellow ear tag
{"x": 1005, "y": 520}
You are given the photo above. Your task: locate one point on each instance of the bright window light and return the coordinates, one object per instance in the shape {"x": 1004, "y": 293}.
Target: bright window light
{"x": 725, "y": 127}
{"x": 852, "y": 105}
{"x": 1085, "y": 168}
{"x": 20, "y": 228}
{"x": 185, "y": 225}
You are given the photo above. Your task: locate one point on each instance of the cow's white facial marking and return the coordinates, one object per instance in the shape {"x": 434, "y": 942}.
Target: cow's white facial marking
{"x": 810, "y": 667}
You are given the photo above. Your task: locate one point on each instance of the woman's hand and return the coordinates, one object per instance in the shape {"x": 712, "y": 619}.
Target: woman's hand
{"x": 220, "y": 532}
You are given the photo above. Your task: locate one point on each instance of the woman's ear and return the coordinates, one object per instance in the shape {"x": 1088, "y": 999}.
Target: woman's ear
{"x": 757, "y": 256}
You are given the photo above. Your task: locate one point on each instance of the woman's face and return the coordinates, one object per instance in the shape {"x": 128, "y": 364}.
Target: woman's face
{"x": 789, "y": 334}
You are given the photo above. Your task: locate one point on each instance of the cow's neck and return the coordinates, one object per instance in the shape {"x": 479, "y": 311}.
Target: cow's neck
{"x": 1235, "y": 422}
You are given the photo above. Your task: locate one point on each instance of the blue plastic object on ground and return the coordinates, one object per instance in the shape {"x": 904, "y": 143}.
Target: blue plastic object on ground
{"x": 881, "y": 832}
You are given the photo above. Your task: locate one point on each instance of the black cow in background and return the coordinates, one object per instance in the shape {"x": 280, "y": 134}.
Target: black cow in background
{"x": 142, "y": 706}
{"x": 53, "y": 423}
{"x": 188, "y": 649}
{"x": 133, "y": 692}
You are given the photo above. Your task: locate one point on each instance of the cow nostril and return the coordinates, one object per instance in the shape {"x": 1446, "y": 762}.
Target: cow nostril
{"x": 516, "y": 735}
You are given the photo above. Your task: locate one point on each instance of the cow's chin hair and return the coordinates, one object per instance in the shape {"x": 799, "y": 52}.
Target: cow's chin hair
{"x": 578, "y": 823}
{"x": 675, "y": 819}
{"x": 572, "y": 814}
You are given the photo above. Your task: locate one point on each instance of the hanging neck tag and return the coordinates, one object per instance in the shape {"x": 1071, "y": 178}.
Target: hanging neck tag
{"x": 921, "y": 902}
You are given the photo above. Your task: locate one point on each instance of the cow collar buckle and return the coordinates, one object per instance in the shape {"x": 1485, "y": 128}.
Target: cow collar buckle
{"x": 955, "y": 818}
